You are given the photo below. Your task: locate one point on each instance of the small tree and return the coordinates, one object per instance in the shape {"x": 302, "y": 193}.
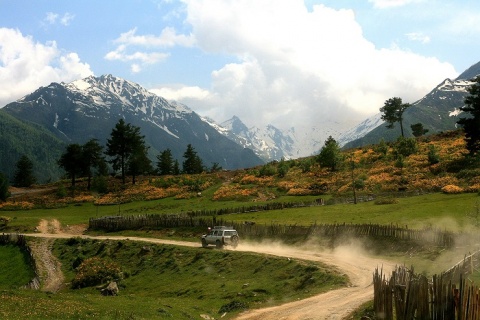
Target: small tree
{"x": 192, "y": 164}
{"x": 382, "y": 147}
{"x": 165, "y": 162}
{"x": 330, "y": 154}
{"x": 4, "y": 193}
{"x": 471, "y": 125}
{"x": 418, "y": 130}
{"x": 405, "y": 147}
{"x": 176, "y": 168}
{"x": 433, "y": 157}
{"x": 393, "y": 112}
{"x": 24, "y": 173}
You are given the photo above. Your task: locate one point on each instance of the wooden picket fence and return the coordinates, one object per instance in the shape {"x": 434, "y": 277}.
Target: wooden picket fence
{"x": 407, "y": 295}
{"x": 20, "y": 240}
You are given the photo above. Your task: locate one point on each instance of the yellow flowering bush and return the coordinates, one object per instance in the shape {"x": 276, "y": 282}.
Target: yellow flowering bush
{"x": 452, "y": 189}
{"x": 94, "y": 271}
{"x": 299, "y": 192}
{"x": 261, "y": 181}
{"x": 233, "y": 192}
{"x": 17, "y": 205}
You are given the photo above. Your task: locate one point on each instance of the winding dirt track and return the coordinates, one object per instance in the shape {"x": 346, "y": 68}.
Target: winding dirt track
{"x": 335, "y": 304}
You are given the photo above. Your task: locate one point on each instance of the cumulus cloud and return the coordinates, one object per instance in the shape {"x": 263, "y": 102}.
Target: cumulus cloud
{"x": 299, "y": 67}
{"x": 26, "y": 65}
{"x": 130, "y": 46}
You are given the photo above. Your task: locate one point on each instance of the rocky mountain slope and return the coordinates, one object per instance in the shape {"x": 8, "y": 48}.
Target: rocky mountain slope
{"x": 90, "y": 108}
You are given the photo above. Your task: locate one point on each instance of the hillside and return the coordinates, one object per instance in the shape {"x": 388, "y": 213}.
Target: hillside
{"x": 18, "y": 138}
{"x": 377, "y": 173}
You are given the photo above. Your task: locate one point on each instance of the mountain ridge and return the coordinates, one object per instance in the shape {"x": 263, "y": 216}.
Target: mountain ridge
{"x": 89, "y": 108}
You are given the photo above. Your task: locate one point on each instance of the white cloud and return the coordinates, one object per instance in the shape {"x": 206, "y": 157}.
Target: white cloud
{"x": 130, "y": 41}
{"x": 382, "y": 4}
{"x": 181, "y": 92}
{"x": 300, "y": 67}
{"x": 418, "y": 36}
{"x": 25, "y": 65}
{"x": 53, "y": 18}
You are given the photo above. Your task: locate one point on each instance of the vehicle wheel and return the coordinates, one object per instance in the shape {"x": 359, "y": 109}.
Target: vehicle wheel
{"x": 204, "y": 243}
{"x": 234, "y": 241}
{"x": 219, "y": 244}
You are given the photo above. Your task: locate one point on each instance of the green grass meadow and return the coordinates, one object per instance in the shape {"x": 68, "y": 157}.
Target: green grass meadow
{"x": 161, "y": 281}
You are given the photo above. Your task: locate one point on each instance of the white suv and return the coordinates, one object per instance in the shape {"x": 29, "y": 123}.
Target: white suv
{"x": 221, "y": 236}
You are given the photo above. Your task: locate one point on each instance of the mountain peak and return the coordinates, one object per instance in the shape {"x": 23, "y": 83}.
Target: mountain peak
{"x": 470, "y": 73}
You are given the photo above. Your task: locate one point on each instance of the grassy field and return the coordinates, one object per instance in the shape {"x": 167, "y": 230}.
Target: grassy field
{"x": 451, "y": 212}
{"x": 160, "y": 281}
{"x": 15, "y": 267}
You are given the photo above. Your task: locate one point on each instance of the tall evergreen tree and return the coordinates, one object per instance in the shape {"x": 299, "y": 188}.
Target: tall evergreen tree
{"x": 139, "y": 163}
{"x": 92, "y": 158}
{"x": 192, "y": 163}
{"x": 471, "y": 125}
{"x": 165, "y": 162}
{"x": 125, "y": 143}
{"x": 176, "y": 168}
{"x": 72, "y": 161}
{"x": 393, "y": 112}
{"x": 330, "y": 155}
{"x": 24, "y": 173}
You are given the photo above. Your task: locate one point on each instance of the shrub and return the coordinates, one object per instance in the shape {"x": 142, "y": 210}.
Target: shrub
{"x": 381, "y": 201}
{"x": 267, "y": 170}
{"x": 452, "y": 189}
{"x": 95, "y": 271}
{"x": 405, "y": 147}
{"x": 433, "y": 157}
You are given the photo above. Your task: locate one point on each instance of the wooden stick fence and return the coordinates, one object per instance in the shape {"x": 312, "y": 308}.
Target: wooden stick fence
{"x": 247, "y": 229}
{"x": 409, "y": 296}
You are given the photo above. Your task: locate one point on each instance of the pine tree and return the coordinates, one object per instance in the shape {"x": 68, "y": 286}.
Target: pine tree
{"x": 418, "y": 130}
{"x": 93, "y": 158}
{"x": 126, "y": 147}
{"x": 139, "y": 163}
{"x": 24, "y": 173}
{"x": 165, "y": 162}
{"x": 330, "y": 155}
{"x": 192, "y": 164}
{"x": 393, "y": 112}
{"x": 4, "y": 194}
{"x": 72, "y": 161}
{"x": 471, "y": 125}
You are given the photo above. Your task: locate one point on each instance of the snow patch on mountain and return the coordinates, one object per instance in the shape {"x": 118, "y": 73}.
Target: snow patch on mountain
{"x": 360, "y": 130}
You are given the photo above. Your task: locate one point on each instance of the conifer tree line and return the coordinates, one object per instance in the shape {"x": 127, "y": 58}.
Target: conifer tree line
{"x": 127, "y": 154}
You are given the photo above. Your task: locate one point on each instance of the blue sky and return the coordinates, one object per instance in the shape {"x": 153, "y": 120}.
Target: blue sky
{"x": 281, "y": 62}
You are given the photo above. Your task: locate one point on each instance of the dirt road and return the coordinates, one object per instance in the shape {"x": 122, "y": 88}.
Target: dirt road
{"x": 335, "y": 304}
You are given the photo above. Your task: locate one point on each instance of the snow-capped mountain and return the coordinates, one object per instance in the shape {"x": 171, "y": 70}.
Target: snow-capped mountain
{"x": 271, "y": 143}
{"x": 90, "y": 108}
{"x": 437, "y": 111}
{"x": 360, "y": 130}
